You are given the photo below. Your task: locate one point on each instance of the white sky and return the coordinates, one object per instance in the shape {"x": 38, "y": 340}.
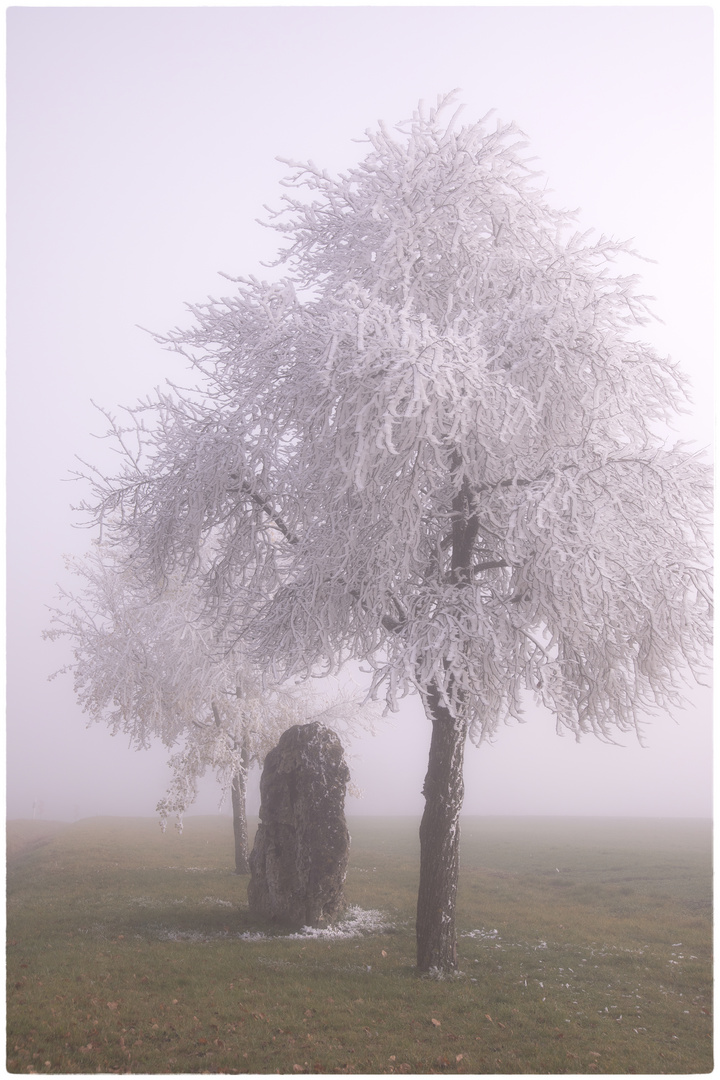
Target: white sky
{"x": 141, "y": 149}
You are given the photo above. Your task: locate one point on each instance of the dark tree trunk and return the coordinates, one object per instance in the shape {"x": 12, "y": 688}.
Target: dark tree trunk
{"x": 238, "y": 793}
{"x": 440, "y": 841}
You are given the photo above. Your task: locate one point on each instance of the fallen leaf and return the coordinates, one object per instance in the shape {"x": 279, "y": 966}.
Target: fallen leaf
{"x": 391, "y": 1058}
{"x": 459, "y": 1057}
{"x": 489, "y": 1017}
{"x": 112, "y": 1004}
{"x": 383, "y": 953}
{"x": 435, "y": 1022}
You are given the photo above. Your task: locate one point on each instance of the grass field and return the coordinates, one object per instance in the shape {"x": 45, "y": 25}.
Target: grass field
{"x": 585, "y": 947}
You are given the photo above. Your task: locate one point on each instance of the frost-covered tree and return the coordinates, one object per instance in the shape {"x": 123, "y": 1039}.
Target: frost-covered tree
{"x": 436, "y": 445}
{"x": 148, "y": 665}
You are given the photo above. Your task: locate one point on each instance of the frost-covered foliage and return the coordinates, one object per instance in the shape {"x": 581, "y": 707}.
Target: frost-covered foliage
{"x": 148, "y": 665}
{"x": 436, "y": 445}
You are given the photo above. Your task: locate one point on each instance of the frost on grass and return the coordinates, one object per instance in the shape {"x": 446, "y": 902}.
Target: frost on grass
{"x": 357, "y": 923}
{"x": 153, "y": 902}
{"x": 442, "y": 975}
{"x": 480, "y": 935}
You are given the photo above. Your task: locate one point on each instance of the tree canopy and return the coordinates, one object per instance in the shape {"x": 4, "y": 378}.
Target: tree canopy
{"x": 147, "y": 664}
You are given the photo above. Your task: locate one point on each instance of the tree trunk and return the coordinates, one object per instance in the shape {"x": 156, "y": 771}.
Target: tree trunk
{"x": 440, "y": 841}
{"x": 238, "y": 793}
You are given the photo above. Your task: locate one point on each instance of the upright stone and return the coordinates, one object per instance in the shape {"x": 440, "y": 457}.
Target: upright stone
{"x": 299, "y": 859}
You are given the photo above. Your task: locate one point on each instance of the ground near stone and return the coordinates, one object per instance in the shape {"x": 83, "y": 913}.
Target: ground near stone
{"x": 585, "y": 947}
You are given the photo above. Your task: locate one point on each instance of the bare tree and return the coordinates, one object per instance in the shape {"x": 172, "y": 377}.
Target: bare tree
{"x": 147, "y": 663}
{"x": 438, "y": 445}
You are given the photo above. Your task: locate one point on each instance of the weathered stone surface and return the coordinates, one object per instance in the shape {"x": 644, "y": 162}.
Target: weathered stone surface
{"x": 299, "y": 859}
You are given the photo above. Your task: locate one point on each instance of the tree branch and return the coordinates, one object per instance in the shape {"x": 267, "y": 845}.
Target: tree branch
{"x": 492, "y": 564}
{"x": 267, "y": 507}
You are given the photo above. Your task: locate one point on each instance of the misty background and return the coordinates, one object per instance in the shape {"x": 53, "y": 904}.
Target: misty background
{"x": 141, "y": 149}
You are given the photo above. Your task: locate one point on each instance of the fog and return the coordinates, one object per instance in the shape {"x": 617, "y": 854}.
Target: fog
{"x": 141, "y": 149}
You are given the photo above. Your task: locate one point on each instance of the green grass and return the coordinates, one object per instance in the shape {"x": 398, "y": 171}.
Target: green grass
{"x": 585, "y": 947}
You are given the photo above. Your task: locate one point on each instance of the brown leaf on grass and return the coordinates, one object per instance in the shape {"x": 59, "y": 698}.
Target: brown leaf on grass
{"x": 459, "y": 1057}
{"x": 383, "y": 953}
{"x": 489, "y": 1017}
{"x": 435, "y": 1022}
{"x": 112, "y": 1004}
